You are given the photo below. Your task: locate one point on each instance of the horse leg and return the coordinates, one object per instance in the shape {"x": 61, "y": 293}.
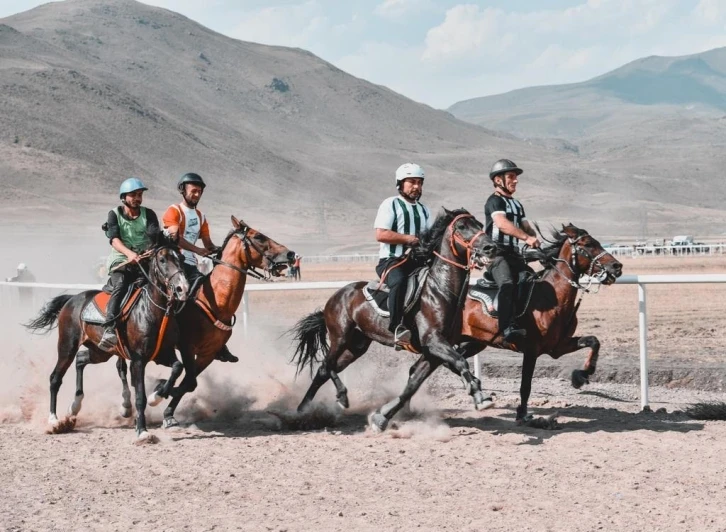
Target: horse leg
{"x": 439, "y": 348}
{"x": 418, "y": 373}
{"x": 122, "y": 369}
{"x": 83, "y": 358}
{"x": 357, "y": 347}
{"x": 325, "y": 372}
{"x": 184, "y": 387}
{"x": 164, "y": 387}
{"x": 580, "y": 376}
{"x": 67, "y": 348}
{"x": 528, "y": 363}
{"x": 138, "y": 367}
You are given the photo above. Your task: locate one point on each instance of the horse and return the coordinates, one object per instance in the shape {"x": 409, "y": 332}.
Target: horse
{"x": 145, "y": 332}
{"x": 455, "y": 243}
{"x": 206, "y": 320}
{"x": 550, "y": 318}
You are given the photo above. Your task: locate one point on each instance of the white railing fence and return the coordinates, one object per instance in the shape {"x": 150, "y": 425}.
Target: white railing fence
{"x": 10, "y": 295}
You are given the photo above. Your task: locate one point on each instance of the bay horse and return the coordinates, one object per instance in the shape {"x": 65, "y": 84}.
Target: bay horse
{"x": 455, "y": 243}
{"x": 146, "y": 332}
{"x": 206, "y": 320}
{"x": 550, "y": 318}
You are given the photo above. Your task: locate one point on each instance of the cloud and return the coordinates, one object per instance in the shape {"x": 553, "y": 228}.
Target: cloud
{"x": 393, "y": 9}
{"x": 711, "y": 12}
{"x": 298, "y": 25}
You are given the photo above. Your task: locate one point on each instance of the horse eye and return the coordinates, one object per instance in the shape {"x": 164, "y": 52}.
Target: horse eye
{"x": 260, "y": 237}
{"x": 162, "y": 260}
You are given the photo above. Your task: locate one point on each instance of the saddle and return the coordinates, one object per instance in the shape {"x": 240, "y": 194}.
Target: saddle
{"x": 95, "y": 310}
{"x": 486, "y": 292}
{"x": 376, "y": 293}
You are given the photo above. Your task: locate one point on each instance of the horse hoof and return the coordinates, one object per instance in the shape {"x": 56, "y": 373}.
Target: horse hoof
{"x": 169, "y": 422}
{"x": 53, "y": 420}
{"x": 378, "y": 422}
{"x": 483, "y": 403}
{"x": 524, "y": 420}
{"x": 579, "y": 377}
{"x": 343, "y": 402}
{"x": 154, "y": 399}
{"x": 75, "y": 405}
{"x": 146, "y": 437}
{"x": 125, "y": 411}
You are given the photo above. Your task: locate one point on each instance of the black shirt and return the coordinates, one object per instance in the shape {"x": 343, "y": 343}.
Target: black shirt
{"x": 514, "y": 212}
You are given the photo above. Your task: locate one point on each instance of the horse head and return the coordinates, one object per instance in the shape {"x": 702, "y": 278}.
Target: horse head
{"x": 166, "y": 270}
{"x": 259, "y": 251}
{"x": 587, "y": 256}
{"x": 458, "y": 238}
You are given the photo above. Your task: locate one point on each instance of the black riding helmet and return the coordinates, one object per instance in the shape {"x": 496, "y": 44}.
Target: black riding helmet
{"x": 190, "y": 178}
{"x": 502, "y": 166}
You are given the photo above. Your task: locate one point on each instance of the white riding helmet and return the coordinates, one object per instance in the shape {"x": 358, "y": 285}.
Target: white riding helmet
{"x": 408, "y": 170}
{"x": 22, "y": 267}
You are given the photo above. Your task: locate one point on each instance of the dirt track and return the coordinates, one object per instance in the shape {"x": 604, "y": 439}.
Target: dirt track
{"x": 444, "y": 467}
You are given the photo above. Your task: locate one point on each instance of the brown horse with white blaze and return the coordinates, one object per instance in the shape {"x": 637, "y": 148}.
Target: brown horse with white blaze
{"x": 551, "y": 316}
{"x": 206, "y": 321}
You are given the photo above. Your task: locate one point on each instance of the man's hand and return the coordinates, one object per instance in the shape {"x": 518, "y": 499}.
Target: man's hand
{"x": 413, "y": 240}
{"x": 532, "y": 241}
{"x": 133, "y": 257}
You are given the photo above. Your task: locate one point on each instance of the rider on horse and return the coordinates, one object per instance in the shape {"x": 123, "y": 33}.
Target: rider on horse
{"x": 399, "y": 222}
{"x": 131, "y": 230}
{"x": 185, "y": 220}
{"x": 505, "y": 224}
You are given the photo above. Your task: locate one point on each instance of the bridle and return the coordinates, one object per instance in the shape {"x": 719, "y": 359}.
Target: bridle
{"x": 248, "y": 243}
{"x": 472, "y": 254}
{"x": 600, "y": 275}
{"x": 169, "y": 293}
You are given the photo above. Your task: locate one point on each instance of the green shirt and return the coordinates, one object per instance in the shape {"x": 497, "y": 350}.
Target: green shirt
{"x": 134, "y": 236}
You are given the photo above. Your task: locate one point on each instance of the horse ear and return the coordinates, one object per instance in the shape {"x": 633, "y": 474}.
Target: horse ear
{"x": 447, "y": 211}
{"x": 235, "y": 222}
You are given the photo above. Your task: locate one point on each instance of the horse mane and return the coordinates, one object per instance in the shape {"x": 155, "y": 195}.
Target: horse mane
{"x": 546, "y": 254}
{"x": 430, "y": 240}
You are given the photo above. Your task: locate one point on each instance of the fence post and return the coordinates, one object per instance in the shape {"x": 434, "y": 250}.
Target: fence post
{"x": 643, "y": 333}
{"x": 245, "y": 312}
{"x": 477, "y": 367}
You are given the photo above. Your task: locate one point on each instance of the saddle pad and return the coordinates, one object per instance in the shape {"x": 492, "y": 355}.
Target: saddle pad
{"x": 377, "y": 294}
{"x": 486, "y": 293}
{"x": 95, "y": 310}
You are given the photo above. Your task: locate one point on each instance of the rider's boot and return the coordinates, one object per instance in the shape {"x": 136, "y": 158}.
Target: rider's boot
{"x": 113, "y": 308}
{"x": 108, "y": 339}
{"x": 223, "y": 355}
{"x": 402, "y": 337}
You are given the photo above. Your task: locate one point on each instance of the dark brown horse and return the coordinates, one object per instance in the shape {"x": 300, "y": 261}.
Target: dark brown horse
{"x": 206, "y": 321}
{"x": 147, "y": 331}
{"x": 551, "y": 317}
{"x": 454, "y": 244}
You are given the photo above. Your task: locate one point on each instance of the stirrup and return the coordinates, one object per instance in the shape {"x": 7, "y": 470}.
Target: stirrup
{"x": 108, "y": 339}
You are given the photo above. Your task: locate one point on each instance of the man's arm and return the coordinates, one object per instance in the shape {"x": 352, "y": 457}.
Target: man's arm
{"x": 528, "y": 228}
{"x": 508, "y": 228}
{"x": 121, "y": 248}
{"x": 387, "y": 236}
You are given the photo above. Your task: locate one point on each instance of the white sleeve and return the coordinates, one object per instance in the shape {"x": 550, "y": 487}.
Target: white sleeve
{"x": 384, "y": 218}
{"x": 429, "y": 219}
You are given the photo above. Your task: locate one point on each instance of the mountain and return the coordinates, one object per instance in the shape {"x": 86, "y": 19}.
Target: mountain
{"x": 97, "y": 90}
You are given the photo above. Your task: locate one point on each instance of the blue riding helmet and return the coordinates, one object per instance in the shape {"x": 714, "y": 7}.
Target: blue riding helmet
{"x": 132, "y": 184}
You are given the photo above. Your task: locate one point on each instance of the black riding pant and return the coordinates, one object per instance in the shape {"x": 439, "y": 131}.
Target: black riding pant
{"x": 191, "y": 272}
{"x": 119, "y": 281}
{"x": 396, "y": 281}
{"x": 505, "y": 270}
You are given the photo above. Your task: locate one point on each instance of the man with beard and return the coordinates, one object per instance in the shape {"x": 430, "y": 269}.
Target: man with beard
{"x": 399, "y": 222}
{"x": 131, "y": 230}
{"x": 186, "y": 224}
{"x": 505, "y": 225}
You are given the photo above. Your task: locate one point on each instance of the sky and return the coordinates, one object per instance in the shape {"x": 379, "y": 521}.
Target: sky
{"x": 442, "y": 51}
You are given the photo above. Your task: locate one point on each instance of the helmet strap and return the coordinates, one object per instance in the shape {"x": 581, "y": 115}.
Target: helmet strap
{"x": 502, "y": 187}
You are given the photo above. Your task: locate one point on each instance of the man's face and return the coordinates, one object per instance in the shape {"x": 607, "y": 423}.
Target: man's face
{"x": 412, "y": 187}
{"x": 192, "y": 194}
{"x": 134, "y": 199}
{"x": 509, "y": 180}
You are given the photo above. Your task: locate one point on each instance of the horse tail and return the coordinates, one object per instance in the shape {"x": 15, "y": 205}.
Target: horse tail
{"x": 49, "y": 314}
{"x": 311, "y": 336}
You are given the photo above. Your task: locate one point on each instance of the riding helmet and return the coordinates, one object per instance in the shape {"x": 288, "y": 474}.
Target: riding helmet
{"x": 502, "y": 166}
{"x": 190, "y": 178}
{"x": 132, "y": 184}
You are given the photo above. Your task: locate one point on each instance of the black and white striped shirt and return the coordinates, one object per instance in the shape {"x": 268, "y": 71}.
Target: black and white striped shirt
{"x": 514, "y": 212}
{"x": 397, "y": 214}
